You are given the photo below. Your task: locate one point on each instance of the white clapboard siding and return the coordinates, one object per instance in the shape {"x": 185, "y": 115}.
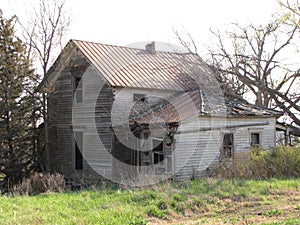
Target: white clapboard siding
{"x": 196, "y": 151}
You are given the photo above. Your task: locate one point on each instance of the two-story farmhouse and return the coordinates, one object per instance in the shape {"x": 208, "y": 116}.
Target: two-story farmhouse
{"x": 138, "y": 116}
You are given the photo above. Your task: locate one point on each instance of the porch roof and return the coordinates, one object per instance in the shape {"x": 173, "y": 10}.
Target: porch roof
{"x": 195, "y": 103}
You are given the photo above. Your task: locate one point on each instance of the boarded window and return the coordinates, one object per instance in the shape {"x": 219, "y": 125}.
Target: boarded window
{"x": 78, "y": 90}
{"x": 227, "y": 149}
{"x": 139, "y": 97}
{"x": 78, "y": 159}
{"x": 255, "y": 139}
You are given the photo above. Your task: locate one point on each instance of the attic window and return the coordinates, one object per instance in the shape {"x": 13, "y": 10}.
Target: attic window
{"x": 139, "y": 97}
{"x": 227, "y": 149}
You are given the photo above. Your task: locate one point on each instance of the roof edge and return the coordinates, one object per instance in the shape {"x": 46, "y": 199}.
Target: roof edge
{"x": 48, "y": 79}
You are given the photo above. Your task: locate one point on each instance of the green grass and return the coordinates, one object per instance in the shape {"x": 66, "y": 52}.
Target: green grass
{"x": 200, "y": 201}
{"x": 272, "y": 212}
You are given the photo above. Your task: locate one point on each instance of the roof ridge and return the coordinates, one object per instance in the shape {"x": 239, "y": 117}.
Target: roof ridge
{"x": 127, "y": 47}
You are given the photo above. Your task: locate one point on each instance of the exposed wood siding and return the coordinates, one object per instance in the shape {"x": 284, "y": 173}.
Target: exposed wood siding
{"x": 92, "y": 117}
{"x": 60, "y": 121}
{"x": 196, "y": 151}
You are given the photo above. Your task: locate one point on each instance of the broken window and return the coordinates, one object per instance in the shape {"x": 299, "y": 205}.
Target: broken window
{"x": 227, "y": 149}
{"x": 78, "y": 159}
{"x": 158, "y": 151}
{"x": 139, "y": 97}
{"x": 255, "y": 139}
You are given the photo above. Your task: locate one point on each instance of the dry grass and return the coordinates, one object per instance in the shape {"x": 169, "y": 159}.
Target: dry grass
{"x": 39, "y": 183}
{"x": 271, "y": 210}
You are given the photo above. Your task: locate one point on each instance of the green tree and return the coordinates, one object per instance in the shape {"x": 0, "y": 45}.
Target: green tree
{"x": 17, "y": 105}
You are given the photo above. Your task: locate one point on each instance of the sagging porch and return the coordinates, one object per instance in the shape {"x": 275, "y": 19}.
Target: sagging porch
{"x": 146, "y": 151}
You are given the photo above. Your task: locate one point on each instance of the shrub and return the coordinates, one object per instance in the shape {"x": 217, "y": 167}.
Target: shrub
{"x": 41, "y": 183}
{"x": 285, "y": 161}
{"x": 260, "y": 164}
{"x": 250, "y": 165}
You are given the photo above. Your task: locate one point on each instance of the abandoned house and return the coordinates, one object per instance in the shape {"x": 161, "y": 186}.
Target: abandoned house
{"x": 138, "y": 116}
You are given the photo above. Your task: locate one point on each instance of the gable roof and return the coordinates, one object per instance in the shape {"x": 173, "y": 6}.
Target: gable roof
{"x": 137, "y": 68}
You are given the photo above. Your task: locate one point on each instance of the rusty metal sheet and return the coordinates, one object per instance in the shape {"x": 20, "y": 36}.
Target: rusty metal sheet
{"x": 131, "y": 67}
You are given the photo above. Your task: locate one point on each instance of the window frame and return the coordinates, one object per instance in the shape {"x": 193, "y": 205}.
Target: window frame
{"x": 158, "y": 153}
{"x": 232, "y": 146}
{"x": 259, "y": 138}
{"x": 258, "y": 130}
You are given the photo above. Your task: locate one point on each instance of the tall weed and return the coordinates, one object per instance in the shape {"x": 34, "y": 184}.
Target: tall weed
{"x": 39, "y": 183}
{"x": 261, "y": 164}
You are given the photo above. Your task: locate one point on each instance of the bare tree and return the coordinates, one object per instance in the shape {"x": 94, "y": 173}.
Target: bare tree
{"x": 46, "y": 30}
{"x": 259, "y": 58}
{"x": 44, "y": 35}
{"x": 230, "y": 85}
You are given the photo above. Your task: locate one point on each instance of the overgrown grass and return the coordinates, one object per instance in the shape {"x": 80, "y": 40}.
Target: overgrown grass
{"x": 209, "y": 201}
{"x": 261, "y": 164}
{"x": 247, "y": 198}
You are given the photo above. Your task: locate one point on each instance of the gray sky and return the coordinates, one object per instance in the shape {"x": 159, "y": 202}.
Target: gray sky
{"x": 124, "y": 22}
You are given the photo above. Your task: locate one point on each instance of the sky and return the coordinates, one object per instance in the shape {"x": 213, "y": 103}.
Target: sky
{"x": 120, "y": 22}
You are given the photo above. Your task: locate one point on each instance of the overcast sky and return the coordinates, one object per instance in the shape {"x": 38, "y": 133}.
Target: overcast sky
{"x": 121, "y": 22}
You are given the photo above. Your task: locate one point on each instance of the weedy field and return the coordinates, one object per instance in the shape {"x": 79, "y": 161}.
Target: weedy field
{"x": 205, "y": 201}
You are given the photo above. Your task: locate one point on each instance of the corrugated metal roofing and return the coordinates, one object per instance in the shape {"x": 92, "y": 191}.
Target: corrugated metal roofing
{"x": 131, "y": 67}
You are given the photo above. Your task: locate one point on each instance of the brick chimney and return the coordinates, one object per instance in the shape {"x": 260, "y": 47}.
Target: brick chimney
{"x": 150, "y": 48}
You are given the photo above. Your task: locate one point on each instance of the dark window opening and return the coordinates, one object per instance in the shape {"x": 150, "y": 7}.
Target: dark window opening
{"x": 78, "y": 90}
{"x": 78, "y": 150}
{"x": 255, "y": 139}
{"x": 139, "y": 97}
{"x": 158, "y": 151}
{"x": 124, "y": 153}
{"x": 227, "y": 150}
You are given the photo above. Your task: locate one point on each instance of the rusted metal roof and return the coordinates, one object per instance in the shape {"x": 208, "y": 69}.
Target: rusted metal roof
{"x": 175, "y": 109}
{"x": 131, "y": 67}
{"x": 186, "y": 105}
{"x": 243, "y": 108}
{"x": 137, "y": 68}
